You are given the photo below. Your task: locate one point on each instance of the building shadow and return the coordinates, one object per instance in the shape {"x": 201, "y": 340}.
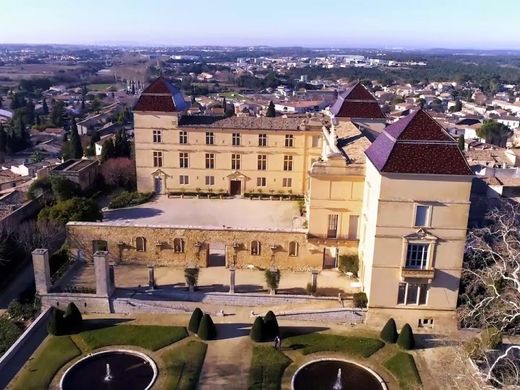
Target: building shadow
{"x": 290, "y": 331}
{"x": 132, "y": 213}
{"x": 100, "y": 323}
{"x": 231, "y": 331}
{"x": 431, "y": 340}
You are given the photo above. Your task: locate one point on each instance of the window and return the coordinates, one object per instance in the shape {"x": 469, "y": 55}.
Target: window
{"x": 412, "y": 294}
{"x": 183, "y": 179}
{"x": 236, "y": 139}
{"x": 262, "y": 162}
{"x": 353, "y": 222}
{"x": 140, "y": 244}
{"x": 332, "y": 230}
{"x": 178, "y": 245}
{"x": 287, "y": 163}
{"x": 210, "y": 180}
{"x": 315, "y": 141}
{"x": 417, "y": 256}
{"x": 262, "y": 139}
{"x": 422, "y": 215}
{"x": 235, "y": 161}
{"x": 209, "y": 138}
{"x": 425, "y": 323}
{"x": 184, "y": 160}
{"x": 157, "y": 136}
{"x": 294, "y": 248}
{"x": 255, "y": 248}
{"x": 157, "y": 159}
{"x": 99, "y": 245}
{"x": 183, "y": 137}
{"x": 286, "y": 182}
{"x": 210, "y": 160}
{"x": 261, "y": 181}
{"x": 289, "y": 140}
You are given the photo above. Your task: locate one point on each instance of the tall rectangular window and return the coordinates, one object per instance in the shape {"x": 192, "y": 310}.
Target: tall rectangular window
{"x": 315, "y": 141}
{"x": 236, "y": 139}
{"x": 183, "y": 179}
{"x": 353, "y": 222}
{"x": 287, "y": 163}
{"x": 286, "y": 182}
{"x": 157, "y": 136}
{"x": 210, "y": 161}
{"x": 412, "y": 294}
{"x": 157, "y": 159}
{"x": 235, "y": 161}
{"x": 289, "y": 140}
{"x": 332, "y": 230}
{"x": 183, "y": 137}
{"x": 262, "y": 162}
{"x": 417, "y": 256}
{"x": 401, "y": 293}
{"x": 261, "y": 181}
{"x": 210, "y": 138}
{"x": 184, "y": 160}
{"x": 210, "y": 180}
{"x": 422, "y": 215}
{"x": 262, "y": 139}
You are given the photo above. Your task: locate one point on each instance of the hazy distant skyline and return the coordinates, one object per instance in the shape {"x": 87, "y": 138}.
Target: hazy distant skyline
{"x": 455, "y": 24}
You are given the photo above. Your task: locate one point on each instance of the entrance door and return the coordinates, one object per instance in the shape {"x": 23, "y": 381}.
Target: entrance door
{"x": 217, "y": 254}
{"x": 235, "y": 187}
{"x": 158, "y": 185}
{"x": 329, "y": 258}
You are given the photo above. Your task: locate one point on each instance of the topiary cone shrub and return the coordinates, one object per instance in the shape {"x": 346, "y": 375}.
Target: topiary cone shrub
{"x": 195, "y": 319}
{"x": 257, "y": 331}
{"x": 360, "y": 300}
{"x": 271, "y": 328}
{"x": 406, "y": 339}
{"x": 56, "y": 324}
{"x": 73, "y": 318}
{"x": 207, "y": 329}
{"x": 389, "y": 332}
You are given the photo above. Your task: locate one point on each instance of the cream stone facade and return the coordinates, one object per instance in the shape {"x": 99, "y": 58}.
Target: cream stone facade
{"x": 396, "y": 196}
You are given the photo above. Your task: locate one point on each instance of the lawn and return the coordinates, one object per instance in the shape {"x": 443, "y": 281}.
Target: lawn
{"x": 403, "y": 368}
{"x": 99, "y": 87}
{"x": 316, "y": 342}
{"x": 150, "y": 337}
{"x": 54, "y": 353}
{"x": 267, "y": 367}
{"x": 183, "y": 364}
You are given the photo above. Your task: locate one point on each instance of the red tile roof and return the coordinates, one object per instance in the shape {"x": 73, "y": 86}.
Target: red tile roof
{"x": 417, "y": 144}
{"x": 357, "y": 102}
{"x": 160, "y": 96}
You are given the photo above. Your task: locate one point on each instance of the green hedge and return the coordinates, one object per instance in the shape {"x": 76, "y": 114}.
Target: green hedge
{"x": 126, "y": 199}
{"x": 402, "y": 366}
{"x": 267, "y": 368}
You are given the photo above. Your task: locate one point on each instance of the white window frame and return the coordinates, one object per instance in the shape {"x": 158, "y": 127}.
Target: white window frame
{"x": 262, "y": 140}
{"x": 420, "y": 286}
{"x": 184, "y": 160}
{"x": 428, "y": 215}
{"x": 157, "y": 158}
{"x": 183, "y": 137}
{"x": 262, "y": 162}
{"x": 425, "y": 260}
{"x": 287, "y": 182}
{"x": 210, "y": 160}
{"x": 289, "y": 141}
{"x": 210, "y": 138}
{"x": 236, "y": 139}
{"x": 157, "y": 136}
{"x": 210, "y": 180}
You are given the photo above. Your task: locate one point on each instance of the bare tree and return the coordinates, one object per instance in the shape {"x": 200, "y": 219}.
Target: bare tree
{"x": 490, "y": 295}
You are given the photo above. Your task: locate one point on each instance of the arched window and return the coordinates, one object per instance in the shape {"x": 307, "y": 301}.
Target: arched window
{"x": 294, "y": 248}
{"x": 140, "y": 244}
{"x": 255, "y": 248}
{"x": 178, "y": 245}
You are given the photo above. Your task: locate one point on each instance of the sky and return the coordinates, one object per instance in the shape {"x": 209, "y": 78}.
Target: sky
{"x": 410, "y": 24}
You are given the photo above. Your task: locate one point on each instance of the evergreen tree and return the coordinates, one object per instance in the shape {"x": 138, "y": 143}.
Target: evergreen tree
{"x": 76, "y": 149}
{"x": 57, "y": 114}
{"x": 207, "y": 329}
{"x": 45, "y": 107}
{"x": 73, "y": 318}
{"x": 1, "y": 101}
{"x": 257, "y": 330}
{"x": 461, "y": 143}
{"x": 271, "y": 328}
{"x": 195, "y": 319}
{"x": 66, "y": 153}
{"x": 271, "y": 112}
{"x": 83, "y": 104}
{"x": 133, "y": 88}
{"x": 406, "y": 339}
{"x": 389, "y": 332}
{"x": 22, "y": 137}
{"x": 56, "y": 324}
{"x": 108, "y": 150}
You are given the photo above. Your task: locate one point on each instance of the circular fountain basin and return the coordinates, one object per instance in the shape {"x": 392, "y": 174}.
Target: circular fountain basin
{"x": 322, "y": 374}
{"x": 129, "y": 370}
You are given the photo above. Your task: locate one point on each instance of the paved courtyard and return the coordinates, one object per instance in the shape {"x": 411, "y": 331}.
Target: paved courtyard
{"x": 208, "y": 213}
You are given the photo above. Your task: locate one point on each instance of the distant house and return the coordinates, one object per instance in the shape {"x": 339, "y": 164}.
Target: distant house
{"x": 513, "y": 122}
{"x": 82, "y": 172}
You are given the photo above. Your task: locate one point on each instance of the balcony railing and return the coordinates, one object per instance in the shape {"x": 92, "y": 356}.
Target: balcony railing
{"x": 417, "y": 273}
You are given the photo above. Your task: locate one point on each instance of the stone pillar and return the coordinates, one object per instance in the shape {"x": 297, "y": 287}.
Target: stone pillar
{"x": 42, "y": 271}
{"x": 151, "y": 277}
{"x": 314, "y": 280}
{"x": 103, "y": 283}
{"x": 232, "y": 280}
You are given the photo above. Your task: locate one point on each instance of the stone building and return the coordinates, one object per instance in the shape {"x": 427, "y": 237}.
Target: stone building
{"x": 397, "y": 196}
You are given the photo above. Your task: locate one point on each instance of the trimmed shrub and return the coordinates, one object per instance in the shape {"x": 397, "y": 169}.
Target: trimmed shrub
{"x": 73, "y": 318}
{"x": 207, "y": 329}
{"x": 195, "y": 319}
{"x": 271, "y": 328}
{"x": 56, "y": 324}
{"x": 311, "y": 289}
{"x": 491, "y": 337}
{"x": 20, "y": 311}
{"x": 272, "y": 278}
{"x": 349, "y": 263}
{"x": 127, "y": 199}
{"x": 360, "y": 300}
{"x": 257, "y": 331}
{"x": 192, "y": 276}
{"x": 406, "y": 339}
{"x": 389, "y": 332}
